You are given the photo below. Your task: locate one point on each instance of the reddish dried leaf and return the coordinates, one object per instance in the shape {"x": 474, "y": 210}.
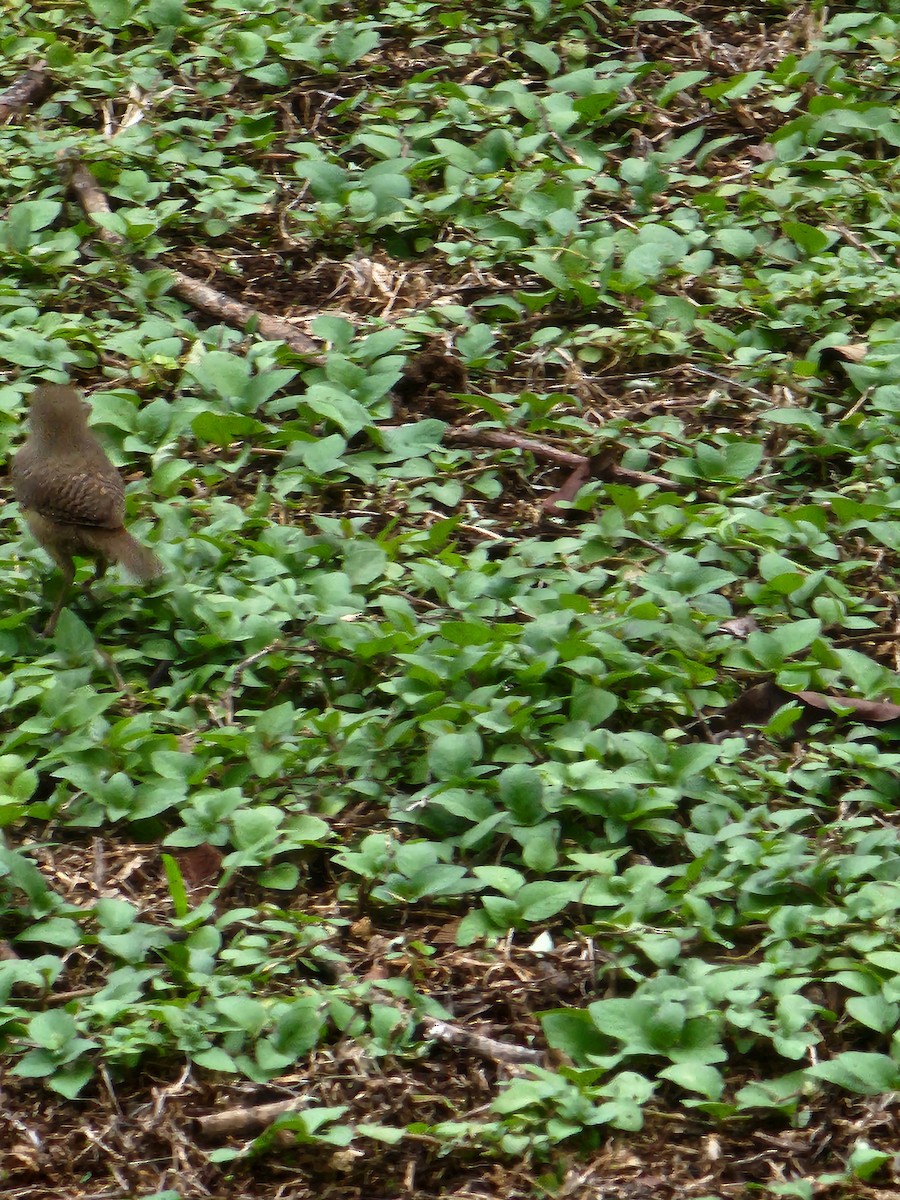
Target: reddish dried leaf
{"x": 759, "y": 703}
{"x": 870, "y": 710}
{"x": 200, "y": 867}
{"x": 853, "y": 352}
{"x": 569, "y": 490}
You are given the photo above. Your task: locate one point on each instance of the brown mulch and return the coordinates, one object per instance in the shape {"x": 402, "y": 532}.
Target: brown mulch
{"x": 135, "y": 1137}
{"x": 133, "y": 1134}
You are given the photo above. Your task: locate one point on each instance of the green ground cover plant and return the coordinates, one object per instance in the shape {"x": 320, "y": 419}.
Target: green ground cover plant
{"x": 525, "y": 664}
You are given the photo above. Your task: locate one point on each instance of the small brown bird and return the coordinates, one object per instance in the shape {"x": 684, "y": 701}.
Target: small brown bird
{"x": 71, "y": 495}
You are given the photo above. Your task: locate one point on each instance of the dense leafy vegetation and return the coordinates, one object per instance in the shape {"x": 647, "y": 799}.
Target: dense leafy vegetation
{"x": 403, "y": 677}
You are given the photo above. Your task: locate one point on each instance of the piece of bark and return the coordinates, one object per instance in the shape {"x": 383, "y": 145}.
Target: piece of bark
{"x": 248, "y": 1119}
{"x": 23, "y": 91}
{"x": 485, "y": 1047}
{"x": 569, "y": 490}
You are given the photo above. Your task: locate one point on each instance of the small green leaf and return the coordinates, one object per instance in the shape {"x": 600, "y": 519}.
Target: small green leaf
{"x": 857, "y": 1071}
{"x": 696, "y": 1077}
{"x": 221, "y": 429}
{"x": 521, "y": 792}
{"x": 668, "y": 16}
{"x": 452, "y": 755}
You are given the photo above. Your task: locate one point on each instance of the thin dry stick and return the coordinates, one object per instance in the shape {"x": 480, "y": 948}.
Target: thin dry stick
{"x": 231, "y": 690}
{"x": 256, "y": 1117}
{"x": 627, "y": 475}
{"x": 472, "y": 435}
{"x": 107, "y": 659}
{"x": 250, "y": 1118}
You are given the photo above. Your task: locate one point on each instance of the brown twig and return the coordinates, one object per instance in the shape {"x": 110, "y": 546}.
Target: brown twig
{"x": 109, "y": 662}
{"x": 620, "y": 474}
{"x": 24, "y": 91}
{"x": 471, "y": 435}
{"x": 602, "y": 467}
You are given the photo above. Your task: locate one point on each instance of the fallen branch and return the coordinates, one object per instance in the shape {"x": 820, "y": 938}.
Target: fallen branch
{"x": 196, "y": 293}
{"x": 24, "y": 91}
{"x": 465, "y": 1039}
{"x": 91, "y": 197}
{"x": 235, "y": 312}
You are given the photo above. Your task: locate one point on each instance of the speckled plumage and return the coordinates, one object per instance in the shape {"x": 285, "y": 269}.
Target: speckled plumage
{"x": 71, "y": 495}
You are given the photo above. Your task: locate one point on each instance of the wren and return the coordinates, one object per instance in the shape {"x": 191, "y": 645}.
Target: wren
{"x": 71, "y": 495}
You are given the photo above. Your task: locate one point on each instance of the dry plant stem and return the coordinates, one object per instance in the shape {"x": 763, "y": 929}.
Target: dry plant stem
{"x": 193, "y": 291}
{"x": 465, "y": 1039}
{"x": 24, "y": 91}
{"x": 231, "y": 691}
{"x": 114, "y": 671}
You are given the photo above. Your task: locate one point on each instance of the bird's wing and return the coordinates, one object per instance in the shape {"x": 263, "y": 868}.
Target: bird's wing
{"x": 80, "y": 498}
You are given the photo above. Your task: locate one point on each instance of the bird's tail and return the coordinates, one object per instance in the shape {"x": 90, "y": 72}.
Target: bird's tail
{"x": 119, "y": 546}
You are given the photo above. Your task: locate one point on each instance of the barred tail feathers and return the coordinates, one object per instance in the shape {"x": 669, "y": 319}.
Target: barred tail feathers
{"x": 119, "y": 546}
